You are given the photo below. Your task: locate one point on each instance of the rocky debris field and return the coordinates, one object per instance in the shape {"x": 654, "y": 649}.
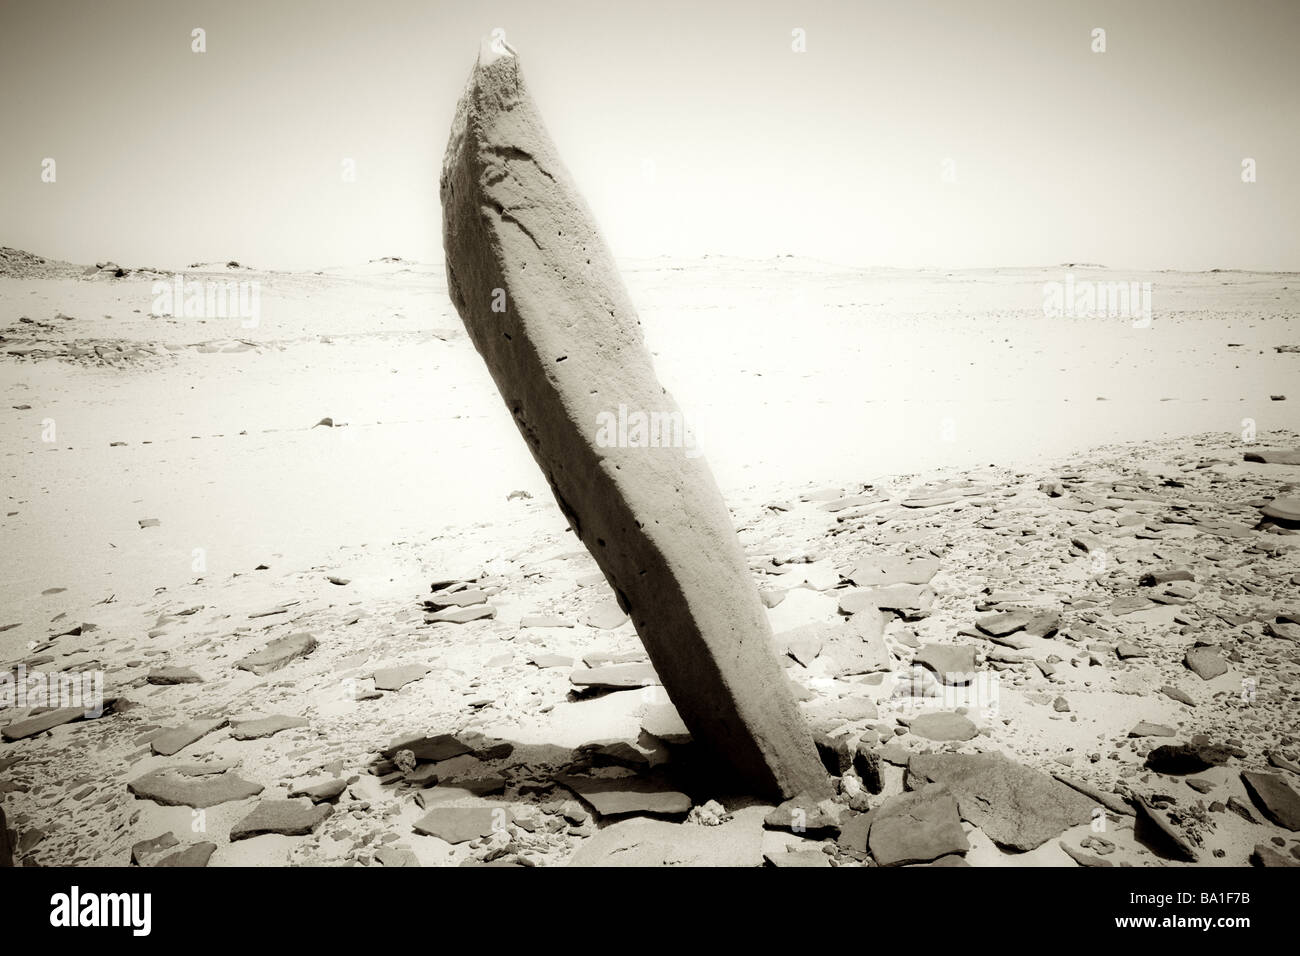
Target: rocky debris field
{"x": 1093, "y": 664}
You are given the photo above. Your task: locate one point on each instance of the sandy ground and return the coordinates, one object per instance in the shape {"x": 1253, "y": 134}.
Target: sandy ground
{"x": 797, "y": 377}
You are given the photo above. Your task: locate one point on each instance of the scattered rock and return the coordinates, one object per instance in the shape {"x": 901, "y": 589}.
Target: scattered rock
{"x": 943, "y": 726}
{"x": 1206, "y": 662}
{"x": 285, "y": 817}
{"x": 1016, "y": 806}
{"x": 1275, "y": 797}
{"x": 279, "y": 653}
{"x": 916, "y": 827}
{"x": 620, "y": 796}
{"x": 264, "y": 726}
{"x": 192, "y": 786}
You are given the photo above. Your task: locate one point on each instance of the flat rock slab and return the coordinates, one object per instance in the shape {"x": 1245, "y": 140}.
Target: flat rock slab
{"x": 646, "y": 842}
{"x": 792, "y": 857}
{"x": 21, "y": 729}
{"x": 320, "y": 792}
{"x": 1002, "y": 623}
{"x": 462, "y": 824}
{"x": 907, "y": 599}
{"x": 466, "y": 598}
{"x": 395, "y": 678}
{"x": 193, "y": 856}
{"x": 886, "y": 570}
{"x": 1206, "y": 662}
{"x": 546, "y": 661}
{"x": 806, "y": 815}
{"x": 663, "y": 721}
{"x": 1154, "y": 828}
{"x": 615, "y": 676}
{"x": 1275, "y": 456}
{"x": 946, "y": 726}
{"x": 461, "y": 615}
{"x": 1282, "y": 509}
{"x": 284, "y": 817}
{"x": 192, "y": 786}
{"x": 264, "y": 726}
{"x": 435, "y": 748}
{"x": 1147, "y": 729}
{"x": 916, "y": 827}
{"x": 954, "y": 664}
{"x": 856, "y": 646}
{"x": 390, "y": 857}
{"x": 1275, "y": 797}
{"x": 605, "y": 616}
{"x": 1014, "y": 805}
{"x": 522, "y": 249}
{"x": 177, "y": 739}
{"x": 279, "y": 653}
{"x": 620, "y": 796}
{"x": 173, "y": 675}
{"x": 544, "y": 620}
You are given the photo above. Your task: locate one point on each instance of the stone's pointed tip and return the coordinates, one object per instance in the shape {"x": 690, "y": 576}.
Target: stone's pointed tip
{"x": 493, "y": 48}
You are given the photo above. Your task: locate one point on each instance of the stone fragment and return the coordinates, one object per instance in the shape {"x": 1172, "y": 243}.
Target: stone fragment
{"x": 461, "y": 615}
{"x": 279, "y": 653}
{"x": 322, "y": 792}
{"x": 1206, "y": 662}
{"x": 177, "y": 739}
{"x": 173, "y": 675}
{"x": 395, "y": 678}
{"x": 264, "y": 726}
{"x": 1015, "y": 806}
{"x": 615, "y": 676}
{"x": 953, "y": 664}
{"x": 642, "y": 841}
{"x": 943, "y": 726}
{"x": 1275, "y": 797}
{"x": 916, "y": 827}
{"x": 1156, "y": 830}
{"x": 885, "y": 570}
{"x": 284, "y": 817}
{"x": 620, "y": 796}
{"x": 1147, "y": 729}
{"x": 192, "y": 786}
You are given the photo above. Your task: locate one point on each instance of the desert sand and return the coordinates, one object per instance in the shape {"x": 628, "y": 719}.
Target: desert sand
{"x": 191, "y": 509}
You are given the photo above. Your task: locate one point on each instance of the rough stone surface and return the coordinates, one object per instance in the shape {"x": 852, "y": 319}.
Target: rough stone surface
{"x": 460, "y": 824}
{"x": 173, "y": 675}
{"x": 645, "y": 842}
{"x": 178, "y": 738}
{"x": 916, "y": 827}
{"x": 395, "y": 678}
{"x": 264, "y": 726}
{"x": 943, "y": 727}
{"x": 1275, "y": 797}
{"x": 1206, "y": 662}
{"x": 285, "y": 817}
{"x": 192, "y": 786}
{"x": 279, "y": 653}
{"x": 1016, "y": 806}
{"x": 619, "y": 796}
{"x": 566, "y": 352}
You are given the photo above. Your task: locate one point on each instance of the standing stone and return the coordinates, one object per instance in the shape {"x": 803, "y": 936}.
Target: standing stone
{"x": 544, "y": 305}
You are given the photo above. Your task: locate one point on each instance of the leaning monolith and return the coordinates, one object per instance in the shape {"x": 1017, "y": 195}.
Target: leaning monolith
{"x": 544, "y": 305}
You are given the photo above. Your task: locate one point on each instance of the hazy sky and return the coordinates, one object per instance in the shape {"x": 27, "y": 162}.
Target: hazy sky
{"x": 690, "y": 127}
